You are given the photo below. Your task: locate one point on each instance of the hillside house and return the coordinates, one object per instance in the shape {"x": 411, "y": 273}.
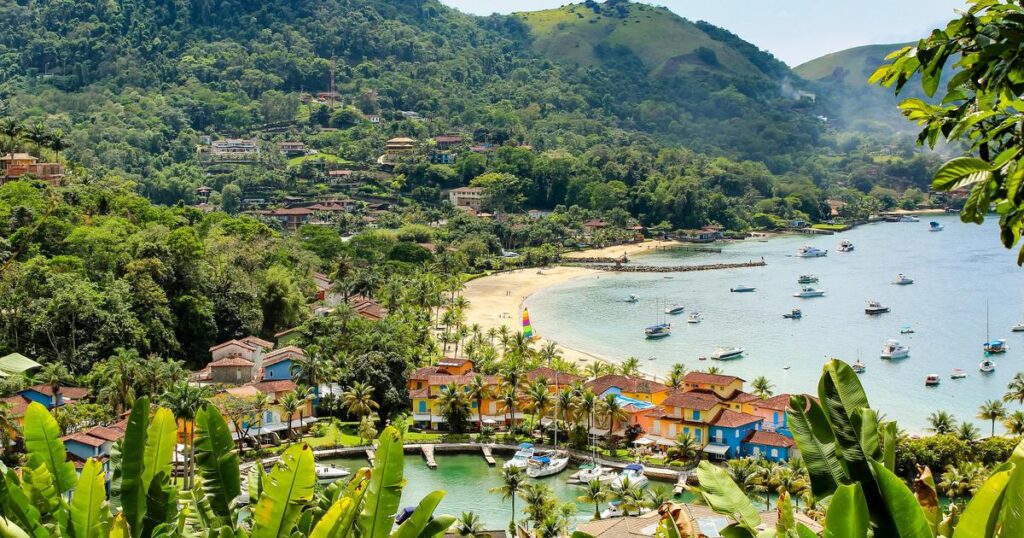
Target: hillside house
{"x": 43, "y": 393}
{"x": 722, "y": 385}
{"x": 443, "y": 142}
{"x": 277, "y": 364}
{"x": 636, "y": 388}
{"x": 400, "y": 146}
{"x": 96, "y": 443}
{"x": 770, "y": 445}
{"x": 467, "y": 197}
{"x": 14, "y": 166}
{"x": 594, "y": 225}
{"x": 292, "y": 217}
{"x": 292, "y": 148}
{"x": 234, "y": 147}
{"x": 728, "y": 429}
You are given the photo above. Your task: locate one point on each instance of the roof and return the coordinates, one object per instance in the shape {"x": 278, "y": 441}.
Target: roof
{"x": 448, "y": 138}
{"x": 106, "y": 433}
{"x": 727, "y": 418}
{"x": 709, "y": 379}
{"x": 283, "y": 354}
{"x": 273, "y": 387}
{"x": 691, "y": 400}
{"x": 18, "y": 157}
{"x": 72, "y": 393}
{"x": 637, "y": 385}
{"x": 443, "y": 379}
{"x": 367, "y": 308}
{"x": 563, "y": 378}
{"x": 286, "y": 211}
{"x": 18, "y": 404}
{"x": 16, "y": 363}
{"x": 452, "y": 362}
{"x": 244, "y": 391}
{"x": 769, "y": 439}
{"x": 257, "y": 341}
{"x": 233, "y": 342}
{"x": 742, "y": 397}
{"x": 777, "y": 403}
{"x": 622, "y": 527}
{"x": 402, "y": 140}
{"x": 85, "y": 439}
{"x": 230, "y": 360}
{"x": 419, "y": 393}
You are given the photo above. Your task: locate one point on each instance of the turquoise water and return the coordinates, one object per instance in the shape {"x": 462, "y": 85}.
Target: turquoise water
{"x": 956, "y": 272}
{"x": 468, "y": 480}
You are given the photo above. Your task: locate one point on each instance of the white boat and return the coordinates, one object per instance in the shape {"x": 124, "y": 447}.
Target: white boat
{"x": 845, "y": 246}
{"x": 589, "y": 472}
{"x": 903, "y": 280}
{"x": 1018, "y": 328}
{"x": 934, "y": 226}
{"x": 541, "y": 466}
{"x": 615, "y": 510}
{"x": 859, "y": 367}
{"x": 987, "y": 366}
{"x": 634, "y": 472}
{"x": 794, "y": 314}
{"x": 907, "y": 329}
{"x": 330, "y": 472}
{"x": 694, "y": 317}
{"x": 808, "y": 251}
{"x": 807, "y": 292}
{"x": 909, "y": 218}
{"x": 726, "y": 353}
{"x": 660, "y": 330}
{"x": 522, "y": 456}
{"x": 893, "y": 349}
{"x": 742, "y": 289}
{"x": 807, "y": 279}
{"x": 875, "y": 308}
{"x": 675, "y": 309}
{"x": 632, "y": 298}
{"x": 932, "y": 380}
{"x": 958, "y": 374}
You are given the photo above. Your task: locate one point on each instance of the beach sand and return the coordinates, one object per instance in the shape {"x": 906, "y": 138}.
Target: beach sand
{"x": 628, "y": 249}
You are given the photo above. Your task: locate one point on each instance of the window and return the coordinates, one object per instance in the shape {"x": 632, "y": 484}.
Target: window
{"x": 473, "y": 405}
{"x": 775, "y": 452}
{"x": 268, "y": 418}
{"x": 757, "y": 451}
{"x": 696, "y": 414}
{"x": 423, "y": 406}
{"x": 718, "y": 436}
{"x": 686, "y": 431}
{"x": 736, "y": 433}
{"x": 698, "y": 432}
{"x": 775, "y": 417}
{"x": 270, "y": 373}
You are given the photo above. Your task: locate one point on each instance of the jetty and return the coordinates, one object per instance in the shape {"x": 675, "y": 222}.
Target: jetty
{"x": 677, "y": 268}
{"x": 488, "y": 457}
{"x": 428, "y": 454}
{"x": 681, "y": 482}
{"x": 371, "y": 454}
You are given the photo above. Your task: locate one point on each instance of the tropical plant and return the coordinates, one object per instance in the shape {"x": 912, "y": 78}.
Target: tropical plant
{"x": 941, "y": 422}
{"x": 289, "y": 405}
{"x": 455, "y": 407}
{"x": 685, "y": 448}
{"x": 468, "y": 525}
{"x": 611, "y": 409}
{"x": 358, "y": 400}
{"x": 513, "y": 480}
{"x": 960, "y": 482}
{"x": 992, "y": 410}
{"x": 539, "y": 399}
{"x": 479, "y": 390}
{"x": 185, "y": 400}
{"x": 594, "y": 492}
{"x": 1015, "y": 389}
{"x": 967, "y": 432}
{"x": 630, "y": 367}
{"x": 53, "y": 375}
{"x": 1014, "y": 423}
{"x": 762, "y": 387}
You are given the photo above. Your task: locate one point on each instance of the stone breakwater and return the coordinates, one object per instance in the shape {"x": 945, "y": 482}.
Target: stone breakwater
{"x": 676, "y": 268}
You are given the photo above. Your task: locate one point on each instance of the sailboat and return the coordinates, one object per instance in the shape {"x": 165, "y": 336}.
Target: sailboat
{"x": 992, "y": 346}
{"x": 527, "y": 326}
{"x": 658, "y": 330}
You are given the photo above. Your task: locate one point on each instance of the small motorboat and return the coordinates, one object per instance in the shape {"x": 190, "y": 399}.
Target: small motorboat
{"x": 590, "y": 471}
{"x": 727, "y": 353}
{"x": 934, "y": 226}
{"x": 859, "y": 367}
{"x": 742, "y": 289}
{"x": 907, "y": 329}
{"x": 909, "y": 218}
{"x": 958, "y": 374}
{"x": 694, "y": 317}
{"x": 634, "y": 472}
{"x": 330, "y": 472}
{"x": 987, "y": 366}
{"x": 633, "y": 298}
{"x": 903, "y": 280}
{"x": 996, "y": 346}
{"x": 660, "y": 330}
{"x": 874, "y": 308}
{"x": 807, "y": 292}
{"x": 794, "y": 314}
{"x": 1018, "y": 328}
{"x": 932, "y": 380}
{"x": 845, "y": 246}
{"x": 675, "y": 309}
{"x": 808, "y": 251}
{"x": 522, "y": 456}
{"x": 541, "y": 466}
{"x": 893, "y": 349}
{"x": 807, "y": 279}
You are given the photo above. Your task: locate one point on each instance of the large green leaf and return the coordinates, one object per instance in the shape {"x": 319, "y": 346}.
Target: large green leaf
{"x": 817, "y": 444}
{"x": 289, "y": 488}
{"x": 414, "y": 525}
{"x": 384, "y": 492}
{"x": 161, "y": 437}
{"x": 902, "y": 506}
{"x": 10, "y": 529}
{"x": 437, "y": 527}
{"x": 161, "y": 504}
{"x": 982, "y": 513}
{"x": 119, "y": 528}
{"x": 961, "y": 172}
{"x": 786, "y": 525}
{"x": 847, "y": 515}
{"x": 42, "y": 441}
{"x": 90, "y": 517}
{"x": 15, "y": 504}
{"x": 337, "y": 521}
{"x": 217, "y": 461}
{"x": 133, "y": 452}
{"x": 1011, "y": 517}
{"x": 725, "y": 497}
{"x": 890, "y": 438}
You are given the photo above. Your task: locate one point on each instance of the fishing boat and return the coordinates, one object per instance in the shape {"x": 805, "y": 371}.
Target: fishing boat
{"x": 893, "y": 349}
{"x": 660, "y": 330}
{"x": 874, "y": 308}
{"x": 807, "y": 292}
{"x": 675, "y": 309}
{"x": 907, "y": 329}
{"x": 807, "y": 279}
{"x": 958, "y": 374}
{"x": 934, "y": 226}
{"x": 694, "y": 317}
{"x": 330, "y": 472}
{"x": 727, "y": 353}
{"x": 634, "y": 472}
{"x": 794, "y": 314}
{"x": 541, "y": 466}
{"x": 742, "y": 289}
{"x": 909, "y": 218}
{"x": 633, "y": 298}
{"x": 522, "y": 456}
{"x": 845, "y": 246}
{"x": 903, "y": 280}
{"x": 808, "y": 251}
{"x": 858, "y": 367}
{"x": 932, "y": 380}
{"x": 987, "y": 366}
{"x": 997, "y": 345}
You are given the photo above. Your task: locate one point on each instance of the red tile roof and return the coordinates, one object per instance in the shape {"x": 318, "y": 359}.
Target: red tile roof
{"x": 257, "y": 341}
{"x": 742, "y": 397}
{"x": 18, "y": 405}
{"x": 728, "y": 418}
{"x": 248, "y": 346}
{"x": 274, "y": 387}
{"x": 283, "y": 354}
{"x": 452, "y": 362}
{"x": 84, "y": 438}
{"x": 367, "y": 308}
{"x": 776, "y": 403}
{"x": 289, "y": 211}
{"x": 422, "y": 374}
{"x": 421, "y": 393}
{"x": 442, "y": 379}
{"x": 106, "y": 433}
{"x": 709, "y": 379}
{"x": 692, "y": 400}
{"x": 230, "y": 360}
{"x": 563, "y": 378}
{"x": 72, "y": 393}
{"x": 770, "y": 439}
{"x": 637, "y": 385}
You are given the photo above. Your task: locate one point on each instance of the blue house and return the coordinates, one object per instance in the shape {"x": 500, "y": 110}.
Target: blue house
{"x": 43, "y": 394}
{"x": 277, "y": 365}
{"x": 770, "y": 445}
{"x": 773, "y": 411}
{"x": 96, "y": 442}
{"x": 728, "y": 430}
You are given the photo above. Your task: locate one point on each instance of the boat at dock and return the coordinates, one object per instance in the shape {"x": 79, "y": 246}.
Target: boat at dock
{"x": 522, "y": 456}
{"x": 330, "y": 472}
{"x": 694, "y": 317}
{"x": 794, "y": 314}
{"x": 807, "y": 292}
{"x": 893, "y": 349}
{"x": 903, "y": 280}
{"x": 808, "y": 251}
{"x": 727, "y": 353}
{"x": 675, "y": 309}
{"x": 547, "y": 465}
{"x": 874, "y": 308}
{"x": 958, "y": 373}
{"x": 934, "y": 226}
{"x": 742, "y": 289}
{"x": 591, "y": 471}
{"x": 845, "y": 246}
{"x": 987, "y": 366}
{"x": 634, "y": 473}
{"x": 932, "y": 380}
{"x": 807, "y": 279}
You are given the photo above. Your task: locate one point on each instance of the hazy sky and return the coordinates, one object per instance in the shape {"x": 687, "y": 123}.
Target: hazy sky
{"x": 793, "y": 30}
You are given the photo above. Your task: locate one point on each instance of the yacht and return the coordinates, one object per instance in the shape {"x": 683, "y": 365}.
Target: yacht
{"x": 541, "y": 466}
{"x": 934, "y": 226}
{"x": 807, "y": 292}
{"x": 592, "y": 471}
{"x": 794, "y": 314}
{"x": 893, "y": 349}
{"x": 932, "y": 380}
{"x": 633, "y": 298}
{"x": 675, "y": 309}
{"x": 808, "y": 251}
{"x": 726, "y": 353}
{"x": 522, "y": 456}
{"x": 996, "y": 346}
{"x": 987, "y": 366}
{"x": 875, "y": 307}
{"x": 909, "y": 218}
{"x": 742, "y": 289}
{"x": 858, "y": 367}
{"x": 845, "y": 246}
{"x": 634, "y": 472}
{"x": 330, "y": 472}
{"x": 903, "y": 280}
{"x": 958, "y": 374}
{"x": 694, "y": 317}
{"x": 807, "y": 279}
{"x": 1019, "y": 327}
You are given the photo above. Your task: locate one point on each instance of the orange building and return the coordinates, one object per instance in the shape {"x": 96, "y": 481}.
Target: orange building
{"x": 425, "y": 385}
{"x": 15, "y": 165}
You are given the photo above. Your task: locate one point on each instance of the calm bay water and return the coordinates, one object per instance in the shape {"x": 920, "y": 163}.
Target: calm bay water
{"x": 956, "y": 272}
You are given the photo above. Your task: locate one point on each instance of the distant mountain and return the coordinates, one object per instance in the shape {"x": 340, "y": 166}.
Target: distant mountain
{"x": 850, "y": 67}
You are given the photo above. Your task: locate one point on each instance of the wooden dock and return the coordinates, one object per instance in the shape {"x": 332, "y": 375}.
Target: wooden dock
{"x": 371, "y": 454}
{"x": 677, "y": 268}
{"x": 428, "y": 454}
{"x": 488, "y": 457}
{"x": 681, "y": 482}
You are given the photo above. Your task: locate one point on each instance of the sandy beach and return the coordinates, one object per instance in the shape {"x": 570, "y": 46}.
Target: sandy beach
{"x": 628, "y": 249}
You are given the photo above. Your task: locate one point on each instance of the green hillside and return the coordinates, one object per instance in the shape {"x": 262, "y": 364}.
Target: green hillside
{"x": 850, "y": 67}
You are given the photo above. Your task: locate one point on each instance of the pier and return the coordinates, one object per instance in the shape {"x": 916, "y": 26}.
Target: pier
{"x": 681, "y": 482}
{"x": 428, "y": 454}
{"x": 488, "y": 457}
{"x": 677, "y": 268}
{"x": 371, "y": 454}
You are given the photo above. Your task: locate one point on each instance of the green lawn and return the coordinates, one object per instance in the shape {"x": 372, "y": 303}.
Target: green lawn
{"x": 325, "y": 157}
{"x": 831, "y": 227}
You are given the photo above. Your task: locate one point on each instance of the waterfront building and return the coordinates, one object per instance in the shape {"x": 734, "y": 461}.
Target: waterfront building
{"x": 634, "y": 387}
{"x": 770, "y": 445}
{"x": 728, "y": 431}
{"x": 425, "y": 385}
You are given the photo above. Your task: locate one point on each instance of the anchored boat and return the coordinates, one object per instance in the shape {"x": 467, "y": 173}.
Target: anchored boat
{"x": 845, "y": 246}
{"x": 903, "y": 280}
{"x": 893, "y": 349}
{"x": 727, "y": 353}
{"x": 934, "y": 226}
{"x": 807, "y": 292}
{"x": 742, "y": 289}
{"x": 875, "y": 308}
{"x": 794, "y": 314}
{"x": 675, "y": 309}
{"x": 807, "y": 279}
{"x": 808, "y": 251}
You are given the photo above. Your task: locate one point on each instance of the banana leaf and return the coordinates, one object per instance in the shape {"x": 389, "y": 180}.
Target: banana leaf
{"x": 254, "y": 484}
{"x": 42, "y": 492}
{"x": 42, "y": 441}
{"x": 161, "y": 437}
{"x": 725, "y": 497}
{"x": 900, "y": 504}
{"x": 133, "y": 451}
{"x": 982, "y": 513}
{"x": 384, "y": 491}
{"x": 927, "y": 497}
{"x": 161, "y": 504}
{"x": 865, "y": 423}
{"x": 847, "y": 515}
{"x": 786, "y": 525}
{"x": 337, "y": 521}
{"x": 817, "y": 444}
{"x": 890, "y": 438}
{"x": 16, "y": 505}
{"x": 119, "y": 528}
{"x": 10, "y": 529}
{"x": 414, "y": 525}
{"x": 288, "y": 489}
{"x": 217, "y": 461}
{"x": 437, "y": 527}
{"x": 90, "y": 517}
{"x": 114, "y": 468}
{"x": 1011, "y": 517}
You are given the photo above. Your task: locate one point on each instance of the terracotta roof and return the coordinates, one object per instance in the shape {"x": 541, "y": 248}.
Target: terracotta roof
{"x": 244, "y": 391}
{"x": 106, "y": 433}
{"x": 286, "y": 211}
{"x": 442, "y": 379}
{"x": 419, "y": 393}
{"x": 742, "y": 397}
{"x": 728, "y": 418}
{"x": 769, "y": 439}
{"x": 18, "y": 404}
{"x": 422, "y": 374}
{"x": 273, "y": 387}
{"x": 18, "y": 157}
{"x": 283, "y": 354}
{"x": 692, "y": 400}
{"x": 776, "y": 403}
{"x": 71, "y": 393}
{"x": 709, "y": 379}
{"x": 452, "y": 362}
{"x": 84, "y": 438}
{"x": 230, "y": 360}
{"x": 367, "y": 308}
{"x": 257, "y": 341}
{"x": 235, "y": 342}
{"x": 636, "y": 385}
{"x": 549, "y": 374}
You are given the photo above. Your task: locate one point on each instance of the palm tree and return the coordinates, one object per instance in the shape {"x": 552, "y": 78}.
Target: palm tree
{"x": 454, "y": 404}
{"x": 594, "y": 370}
{"x": 12, "y": 130}
{"x": 565, "y": 405}
{"x": 941, "y": 422}
{"x": 305, "y": 395}
{"x": 715, "y": 370}
{"x": 630, "y": 367}
{"x": 469, "y": 526}
{"x": 967, "y": 432}
{"x": 762, "y": 387}
{"x": 512, "y": 482}
{"x": 539, "y": 398}
{"x": 54, "y": 375}
{"x": 629, "y": 495}
{"x": 587, "y": 405}
{"x": 959, "y": 482}
{"x": 612, "y": 410}
{"x": 289, "y": 405}
{"x": 594, "y": 492}
{"x": 185, "y": 400}
{"x": 479, "y": 390}
{"x": 508, "y": 398}
{"x": 656, "y": 496}
{"x": 358, "y": 400}
{"x": 57, "y": 142}
{"x": 685, "y": 449}
{"x": 311, "y": 369}
{"x": 1014, "y": 423}
{"x": 675, "y": 376}
{"x": 992, "y": 410}
{"x": 1015, "y": 389}
{"x": 38, "y": 134}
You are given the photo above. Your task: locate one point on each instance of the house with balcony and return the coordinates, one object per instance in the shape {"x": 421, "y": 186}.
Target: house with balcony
{"x": 292, "y": 217}
{"x": 773, "y": 411}
{"x": 686, "y": 413}
{"x": 14, "y": 166}
{"x": 770, "y": 445}
{"x": 292, "y": 148}
{"x": 722, "y": 385}
{"x": 443, "y": 142}
{"x": 425, "y": 385}
{"x": 467, "y": 198}
{"x": 234, "y": 362}
{"x": 728, "y": 430}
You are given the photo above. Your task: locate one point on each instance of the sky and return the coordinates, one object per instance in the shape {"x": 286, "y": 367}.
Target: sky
{"x": 795, "y": 31}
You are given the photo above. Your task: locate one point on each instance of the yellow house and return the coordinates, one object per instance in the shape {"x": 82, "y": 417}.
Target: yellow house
{"x": 723, "y": 385}
{"x": 425, "y": 385}
{"x": 687, "y": 413}
{"x": 636, "y": 388}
